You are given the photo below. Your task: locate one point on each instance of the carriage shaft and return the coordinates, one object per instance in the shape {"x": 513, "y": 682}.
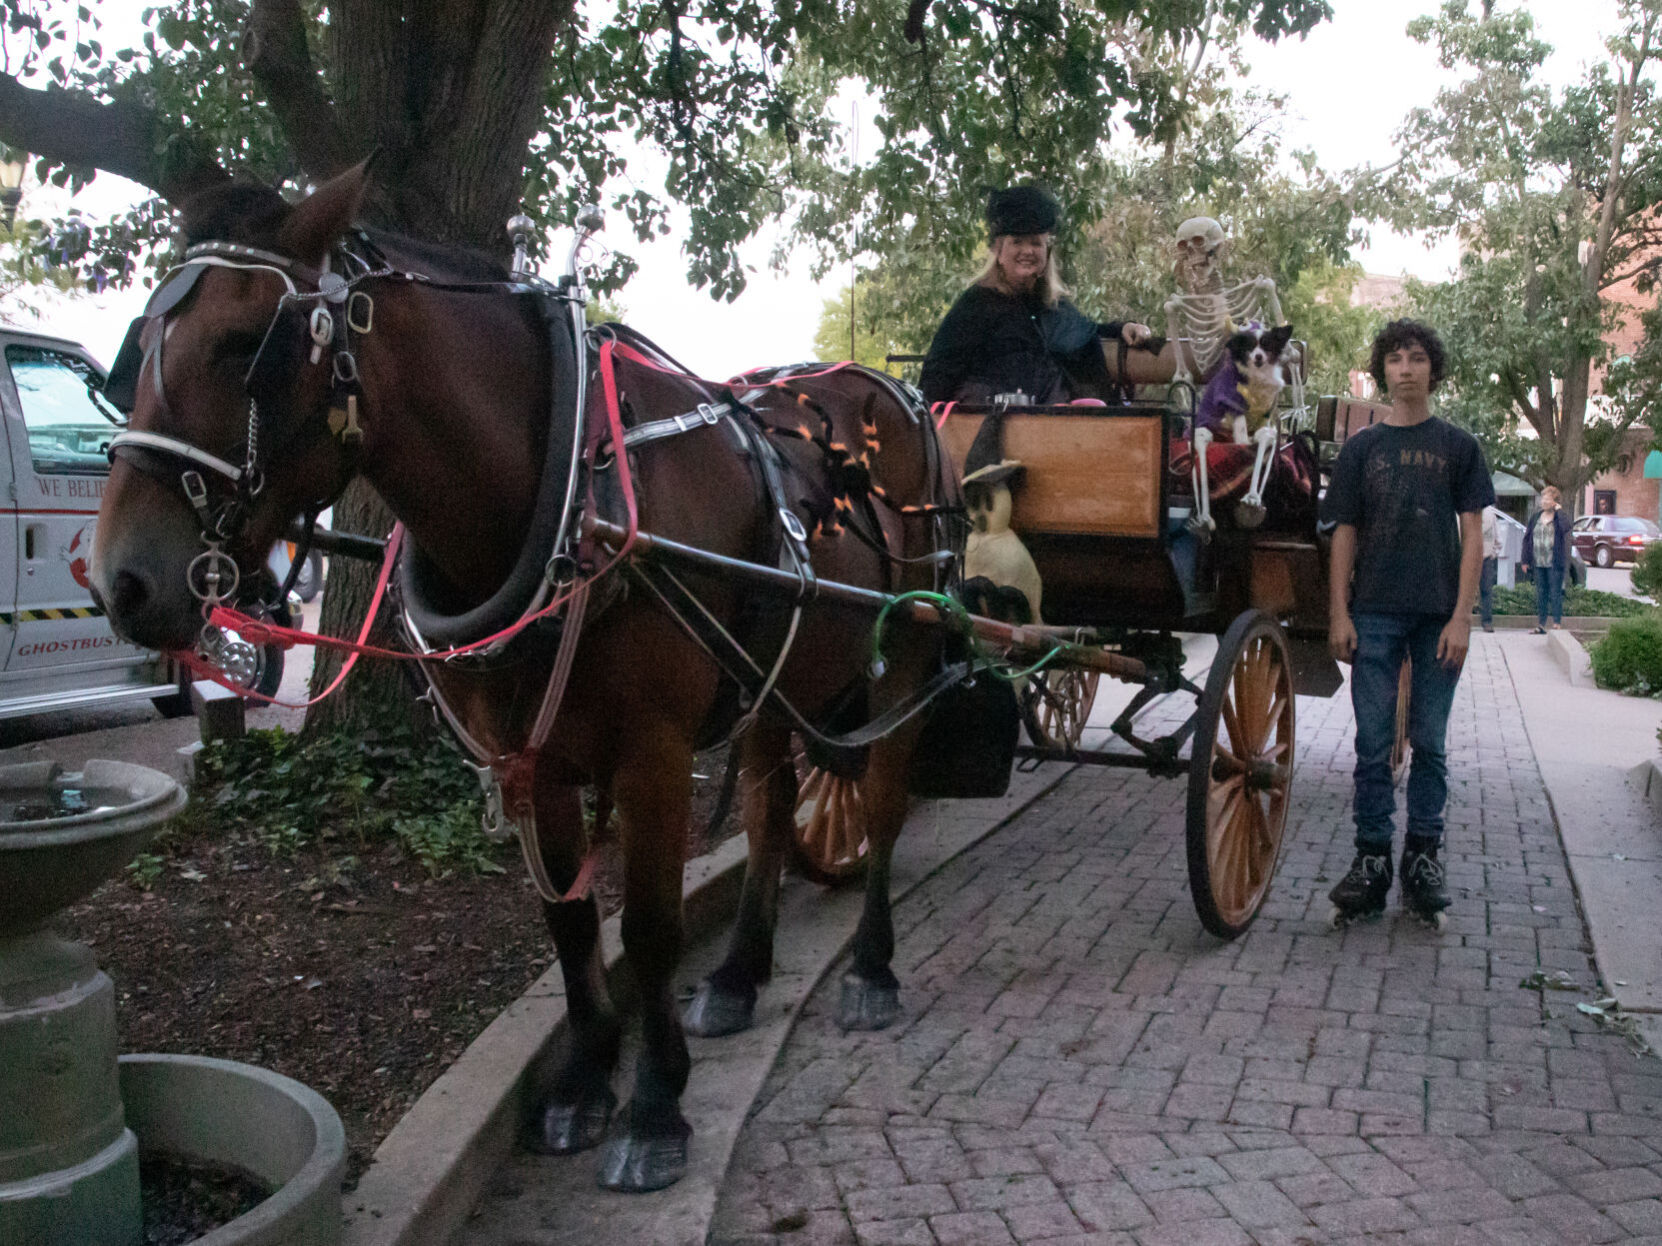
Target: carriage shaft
{"x": 1027, "y": 640}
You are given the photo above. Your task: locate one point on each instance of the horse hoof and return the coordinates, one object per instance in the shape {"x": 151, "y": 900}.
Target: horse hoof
{"x": 713, "y": 1012}
{"x": 566, "y": 1128}
{"x": 867, "y": 1005}
{"x": 639, "y": 1165}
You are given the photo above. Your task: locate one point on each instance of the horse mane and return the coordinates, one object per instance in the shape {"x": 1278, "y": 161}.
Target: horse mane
{"x": 451, "y": 259}
{"x": 252, "y": 214}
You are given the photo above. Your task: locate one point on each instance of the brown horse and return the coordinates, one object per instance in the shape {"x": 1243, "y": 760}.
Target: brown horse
{"x": 450, "y": 423}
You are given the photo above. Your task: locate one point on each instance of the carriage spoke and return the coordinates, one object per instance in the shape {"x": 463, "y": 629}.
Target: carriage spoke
{"x": 1232, "y": 724}
{"x": 1240, "y": 692}
{"x": 854, "y": 827}
{"x": 1234, "y": 882}
{"x": 1265, "y": 685}
{"x": 1249, "y": 698}
{"x": 1222, "y": 805}
{"x": 847, "y": 822}
{"x": 820, "y": 827}
{"x": 1278, "y": 707}
{"x": 814, "y": 827}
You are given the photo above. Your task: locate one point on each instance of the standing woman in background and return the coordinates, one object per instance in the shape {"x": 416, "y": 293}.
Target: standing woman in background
{"x": 1546, "y": 553}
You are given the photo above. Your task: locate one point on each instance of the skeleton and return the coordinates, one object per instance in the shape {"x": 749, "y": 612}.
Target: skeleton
{"x": 1200, "y": 318}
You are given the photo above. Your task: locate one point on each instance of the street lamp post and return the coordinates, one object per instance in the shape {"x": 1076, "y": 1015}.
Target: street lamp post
{"x": 12, "y": 165}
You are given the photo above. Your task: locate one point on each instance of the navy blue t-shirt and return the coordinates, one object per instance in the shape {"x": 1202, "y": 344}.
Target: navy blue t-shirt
{"x": 1404, "y": 489}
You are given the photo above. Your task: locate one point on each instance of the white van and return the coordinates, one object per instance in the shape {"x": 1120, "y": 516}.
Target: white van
{"x": 56, "y": 650}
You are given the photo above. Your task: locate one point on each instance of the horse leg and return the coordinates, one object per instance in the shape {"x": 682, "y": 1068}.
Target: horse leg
{"x": 576, "y": 1110}
{"x": 725, "y": 1002}
{"x": 870, "y": 991}
{"x": 653, "y": 790}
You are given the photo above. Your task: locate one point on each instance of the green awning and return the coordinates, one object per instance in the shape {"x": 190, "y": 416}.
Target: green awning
{"x": 1509, "y": 486}
{"x": 1653, "y": 465}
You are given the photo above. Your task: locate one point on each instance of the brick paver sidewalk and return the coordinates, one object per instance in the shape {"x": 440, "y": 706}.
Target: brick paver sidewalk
{"x": 1080, "y": 1063}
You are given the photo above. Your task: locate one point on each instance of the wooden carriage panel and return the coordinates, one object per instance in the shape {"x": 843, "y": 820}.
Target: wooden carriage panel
{"x": 1288, "y": 581}
{"x": 1087, "y": 475}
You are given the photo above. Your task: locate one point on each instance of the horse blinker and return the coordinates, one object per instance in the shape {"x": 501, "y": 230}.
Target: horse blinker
{"x": 277, "y": 361}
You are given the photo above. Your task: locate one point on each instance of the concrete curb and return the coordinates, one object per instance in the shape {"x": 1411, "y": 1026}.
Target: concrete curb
{"x": 429, "y": 1172}
{"x": 1647, "y": 777}
{"x": 1571, "y": 657}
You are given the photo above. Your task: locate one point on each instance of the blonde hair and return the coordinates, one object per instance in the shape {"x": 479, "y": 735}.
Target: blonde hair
{"x": 1051, "y": 288}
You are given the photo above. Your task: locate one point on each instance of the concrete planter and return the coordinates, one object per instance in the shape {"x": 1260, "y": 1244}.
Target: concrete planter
{"x": 237, "y": 1116}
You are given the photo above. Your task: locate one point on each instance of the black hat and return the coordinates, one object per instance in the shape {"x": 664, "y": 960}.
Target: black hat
{"x": 1022, "y": 210}
{"x": 985, "y": 463}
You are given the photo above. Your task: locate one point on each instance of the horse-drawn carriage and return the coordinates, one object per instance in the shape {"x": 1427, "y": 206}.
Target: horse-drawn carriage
{"x": 608, "y": 561}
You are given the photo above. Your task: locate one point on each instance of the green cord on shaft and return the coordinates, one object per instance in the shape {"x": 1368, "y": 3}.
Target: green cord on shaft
{"x": 956, "y": 616}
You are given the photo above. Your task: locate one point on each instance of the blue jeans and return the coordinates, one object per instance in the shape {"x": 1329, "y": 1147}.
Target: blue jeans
{"x": 1549, "y": 594}
{"x": 1382, "y": 641}
{"x": 1486, "y": 591}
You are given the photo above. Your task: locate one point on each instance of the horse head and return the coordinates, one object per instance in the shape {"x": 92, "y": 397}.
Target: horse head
{"x": 229, "y": 433}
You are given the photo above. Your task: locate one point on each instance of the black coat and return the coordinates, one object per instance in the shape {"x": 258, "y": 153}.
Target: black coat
{"x": 992, "y": 343}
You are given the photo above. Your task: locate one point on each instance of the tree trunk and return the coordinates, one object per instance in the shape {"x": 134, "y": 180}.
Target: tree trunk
{"x": 449, "y": 97}
{"x": 376, "y": 692}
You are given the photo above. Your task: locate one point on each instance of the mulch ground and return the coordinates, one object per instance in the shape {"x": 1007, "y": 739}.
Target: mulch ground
{"x": 363, "y": 985}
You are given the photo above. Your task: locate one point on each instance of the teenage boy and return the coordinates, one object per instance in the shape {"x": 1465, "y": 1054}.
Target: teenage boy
{"x": 1407, "y": 496}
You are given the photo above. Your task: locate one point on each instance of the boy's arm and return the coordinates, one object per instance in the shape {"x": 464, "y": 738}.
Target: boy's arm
{"x": 1456, "y": 636}
{"x": 1341, "y": 632}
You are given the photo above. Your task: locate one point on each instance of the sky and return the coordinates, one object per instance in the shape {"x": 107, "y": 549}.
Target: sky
{"x": 1348, "y": 86}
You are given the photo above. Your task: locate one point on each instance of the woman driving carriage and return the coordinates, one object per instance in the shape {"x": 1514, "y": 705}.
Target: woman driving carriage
{"x": 1014, "y": 330}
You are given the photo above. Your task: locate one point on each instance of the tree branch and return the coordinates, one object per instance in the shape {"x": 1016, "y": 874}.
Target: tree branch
{"x": 1520, "y": 395}
{"x": 73, "y": 128}
{"x": 915, "y": 14}
{"x": 274, "y": 49}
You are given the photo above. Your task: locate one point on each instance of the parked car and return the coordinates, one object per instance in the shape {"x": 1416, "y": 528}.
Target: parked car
{"x": 1605, "y": 540}
{"x": 56, "y": 649}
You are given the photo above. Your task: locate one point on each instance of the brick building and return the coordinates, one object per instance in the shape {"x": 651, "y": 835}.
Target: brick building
{"x": 1635, "y": 487}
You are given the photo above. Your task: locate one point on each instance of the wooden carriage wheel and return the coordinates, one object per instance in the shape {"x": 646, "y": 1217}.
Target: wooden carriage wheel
{"x": 828, "y": 834}
{"x": 1399, "y": 744}
{"x": 1056, "y": 704}
{"x": 1241, "y": 774}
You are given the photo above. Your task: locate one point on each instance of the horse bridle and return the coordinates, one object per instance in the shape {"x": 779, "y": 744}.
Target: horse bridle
{"x": 338, "y": 311}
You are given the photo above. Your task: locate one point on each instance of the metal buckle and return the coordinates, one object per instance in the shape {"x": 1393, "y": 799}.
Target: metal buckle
{"x": 360, "y": 311}
{"x": 793, "y": 525}
{"x": 196, "y": 489}
{"x": 561, "y": 569}
{"x": 709, "y": 413}
{"x": 494, "y": 822}
{"x": 346, "y": 367}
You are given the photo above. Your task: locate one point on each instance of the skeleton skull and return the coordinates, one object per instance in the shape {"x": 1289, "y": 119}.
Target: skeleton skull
{"x": 1201, "y": 247}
